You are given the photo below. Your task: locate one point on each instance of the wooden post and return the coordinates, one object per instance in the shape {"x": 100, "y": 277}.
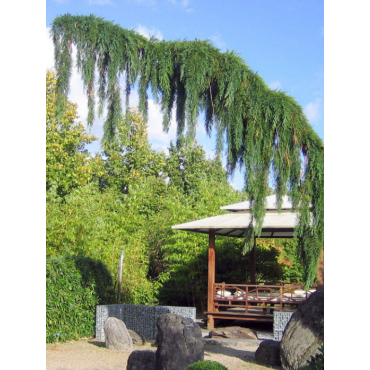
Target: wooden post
{"x": 320, "y": 272}
{"x": 211, "y": 277}
{"x": 120, "y": 275}
{"x": 253, "y": 263}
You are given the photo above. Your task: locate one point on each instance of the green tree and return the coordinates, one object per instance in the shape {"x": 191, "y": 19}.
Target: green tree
{"x": 188, "y": 169}
{"x": 197, "y": 188}
{"x": 130, "y": 158}
{"x": 67, "y": 162}
{"x": 291, "y": 263}
{"x": 186, "y": 166}
{"x": 123, "y": 198}
{"x": 264, "y": 129}
{"x": 90, "y": 223}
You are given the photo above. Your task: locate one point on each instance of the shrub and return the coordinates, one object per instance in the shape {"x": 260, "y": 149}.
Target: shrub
{"x": 207, "y": 365}
{"x": 74, "y": 286}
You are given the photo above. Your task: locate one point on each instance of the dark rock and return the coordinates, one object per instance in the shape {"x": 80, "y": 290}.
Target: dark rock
{"x": 231, "y": 342}
{"x": 141, "y": 360}
{"x": 116, "y": 335}
{"x": 234, "y": 332}
{"x": 268, "y": 353}
{"x": 179, "y": 341}
{"x": 137, "y": 338}
{"x": 304, "y": 333}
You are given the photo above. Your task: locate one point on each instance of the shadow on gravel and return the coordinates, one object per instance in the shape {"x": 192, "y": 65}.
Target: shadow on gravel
{"x": 97, "y": 343}
{"x": 247, "y": 356}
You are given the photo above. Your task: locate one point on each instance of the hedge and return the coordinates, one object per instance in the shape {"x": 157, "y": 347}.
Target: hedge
{"x": 74, "y": 286}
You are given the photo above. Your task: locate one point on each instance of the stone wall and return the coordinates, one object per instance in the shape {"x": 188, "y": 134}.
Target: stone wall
{"x": 141, "y": 319}
{"x": 281, "y": 320}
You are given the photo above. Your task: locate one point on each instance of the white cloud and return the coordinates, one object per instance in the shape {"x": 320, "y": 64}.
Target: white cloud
{"x": 146, "y": 32}
{"x": 313, "y": 110}
{"x": 76, "y": 92}
{"x": 145, "y": 2}
{"x": 210, "y": 154}
{"x": 183, "y": 3}
{"x": 275, "y": 85}
{"x": 99, "y": 2}
{"x": 49, "y": 50}
{"x": 159, "y": 139}
{"x": 219, "y": 42}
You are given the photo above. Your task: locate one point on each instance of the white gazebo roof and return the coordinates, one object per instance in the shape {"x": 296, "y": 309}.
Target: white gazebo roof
{"x": 275, "y": 224}
{"x": 234, "y": 224}
{"x": 270, "y": 203}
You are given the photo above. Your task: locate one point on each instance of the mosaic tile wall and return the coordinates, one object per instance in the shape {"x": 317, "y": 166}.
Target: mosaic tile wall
{"x": 141, "y": 319}
{"x": 281, "y": 320}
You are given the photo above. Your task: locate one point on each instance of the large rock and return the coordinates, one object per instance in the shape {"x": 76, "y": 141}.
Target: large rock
{"x": 234, "y": 332}
{"x": 137, "y": 339}
{"x": 304, "y": 333}
{"x": 141, "y": 360}
{"x": 179, "y": 341}
{"x": 116, "y": 335}
{"x": 268, "y": 353}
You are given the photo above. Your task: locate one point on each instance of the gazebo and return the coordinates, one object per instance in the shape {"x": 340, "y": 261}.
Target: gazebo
{"x": 249, "y": 301}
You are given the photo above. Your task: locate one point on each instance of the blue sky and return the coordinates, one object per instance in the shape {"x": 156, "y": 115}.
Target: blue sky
{"x": 283, "y": 41}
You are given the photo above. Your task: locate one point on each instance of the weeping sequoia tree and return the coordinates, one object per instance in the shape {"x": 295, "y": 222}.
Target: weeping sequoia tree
{"x": 262, "y": 131}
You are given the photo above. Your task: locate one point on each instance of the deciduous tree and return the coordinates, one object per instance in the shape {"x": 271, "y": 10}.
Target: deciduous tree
{"x": 67, "y": 161}
{"x": 130, "y": 158}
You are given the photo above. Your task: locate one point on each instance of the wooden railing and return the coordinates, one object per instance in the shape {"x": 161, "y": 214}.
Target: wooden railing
{"x": 258, "y": 297}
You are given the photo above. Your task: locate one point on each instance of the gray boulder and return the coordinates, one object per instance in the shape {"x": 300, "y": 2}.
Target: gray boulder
{"x": 141, "y": 360}
{"x": 116, "y": 335}
{"x": 179, "y": 341}
{"x": 304, "y": 334}
{"x": 268, "y": 353}
{"x": 234, "y": 332}
{"x": 137, "y": 339}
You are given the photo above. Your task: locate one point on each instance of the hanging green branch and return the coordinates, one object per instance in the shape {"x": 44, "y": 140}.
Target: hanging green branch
{"x": 266, "y": 131}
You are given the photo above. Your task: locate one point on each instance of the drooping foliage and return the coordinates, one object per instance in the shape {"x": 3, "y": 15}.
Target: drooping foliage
{"x": 132, "y": 196}
{"x": 266, "y": 131}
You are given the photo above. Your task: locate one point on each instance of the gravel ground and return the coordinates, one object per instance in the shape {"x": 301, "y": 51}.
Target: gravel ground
{"x": 92, "y": 355}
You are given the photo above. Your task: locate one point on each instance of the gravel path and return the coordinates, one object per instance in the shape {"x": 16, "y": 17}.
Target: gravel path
{"x": 92, "y": 355}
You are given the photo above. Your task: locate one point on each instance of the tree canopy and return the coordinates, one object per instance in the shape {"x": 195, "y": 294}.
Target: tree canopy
{"x": 132, "y": 195}
{"x": 265, "y": 131}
